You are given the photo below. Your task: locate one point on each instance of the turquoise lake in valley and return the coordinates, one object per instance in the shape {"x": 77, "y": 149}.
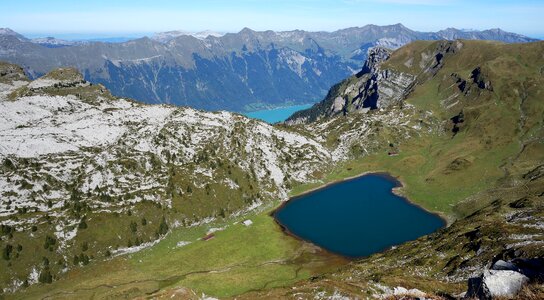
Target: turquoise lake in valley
{"x": 357, "y": 217}
{"x": 277, "y": 114}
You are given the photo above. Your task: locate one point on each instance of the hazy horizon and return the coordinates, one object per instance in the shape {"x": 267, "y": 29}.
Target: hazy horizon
{"x": 80, "y": 36}
{"x": 137, "y": 18}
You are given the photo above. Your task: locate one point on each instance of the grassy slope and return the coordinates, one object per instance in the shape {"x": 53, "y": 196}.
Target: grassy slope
{"x": 219, "y": 267}
{"x": 492, "y": 133}
{"x": 500, "y": 140}
{"x": 490, "y": 137}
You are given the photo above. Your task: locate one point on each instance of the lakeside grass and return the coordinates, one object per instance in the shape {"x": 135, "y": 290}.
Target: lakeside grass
{"x": 242, "y": 259}
{"x": 220, "y": 267}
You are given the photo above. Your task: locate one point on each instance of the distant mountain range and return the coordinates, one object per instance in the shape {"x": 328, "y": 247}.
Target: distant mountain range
{"x": 167, "y": 36}
{"x": 241, "y": 71}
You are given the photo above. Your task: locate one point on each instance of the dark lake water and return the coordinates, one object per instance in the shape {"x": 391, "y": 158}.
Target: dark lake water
{"x": 357, "y": 217}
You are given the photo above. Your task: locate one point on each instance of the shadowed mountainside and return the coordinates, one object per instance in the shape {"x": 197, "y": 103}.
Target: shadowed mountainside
{"x": 248, "y": 70}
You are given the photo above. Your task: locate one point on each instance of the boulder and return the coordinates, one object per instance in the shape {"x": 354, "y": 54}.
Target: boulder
{"x": 496, "y": 283}
{"x": 504, "y": 283}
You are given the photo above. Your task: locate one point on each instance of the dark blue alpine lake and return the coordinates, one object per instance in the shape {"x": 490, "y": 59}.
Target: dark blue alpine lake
{"x": 357, "y": 217}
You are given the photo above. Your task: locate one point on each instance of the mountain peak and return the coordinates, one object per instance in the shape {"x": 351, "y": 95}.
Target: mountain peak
{"x": 206, "y": 33}
{"x": 496, "y": 30}
{"x": 247, "y": 30}
{"x": 10, "y": 72}
{"x": 68, "y": 73}
{"x": 60, "y": 76}
{"x": 52, "y": 41}
{"x": 8, "y": 32}
{"x": 167, "y": 36}
{"x": 399, "y": 27}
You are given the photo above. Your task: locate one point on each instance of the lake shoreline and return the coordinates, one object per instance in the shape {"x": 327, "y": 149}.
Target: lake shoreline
{"x": 276, "y": 108}
{"x": 276, "y": 115}
{"x": 396, "y": 190}
{"x": 399, "y": 191}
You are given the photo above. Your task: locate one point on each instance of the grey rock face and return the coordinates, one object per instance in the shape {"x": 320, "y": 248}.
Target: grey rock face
{"x": 375, "y": 56}
{"x": 392, "y": 87}
{"x": 338, "y": 104}
{"x": 372, "y": 88}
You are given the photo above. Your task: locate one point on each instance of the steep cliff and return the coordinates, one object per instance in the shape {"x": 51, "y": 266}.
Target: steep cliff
{"x": 377, "y": 86}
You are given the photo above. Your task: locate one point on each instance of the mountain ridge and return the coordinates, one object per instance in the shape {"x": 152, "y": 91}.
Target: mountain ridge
{"x": 243, "y": 71}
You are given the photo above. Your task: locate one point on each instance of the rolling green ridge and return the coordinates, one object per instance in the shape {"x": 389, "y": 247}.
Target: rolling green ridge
{"x": 484, "y": 176}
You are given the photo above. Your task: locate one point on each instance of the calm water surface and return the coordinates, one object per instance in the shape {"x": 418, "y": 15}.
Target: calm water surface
{"x": 357, "y": 217}
{"x": 277, "y": 114}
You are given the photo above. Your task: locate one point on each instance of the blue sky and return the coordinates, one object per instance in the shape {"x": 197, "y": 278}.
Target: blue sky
{"x": 125, "y": 17}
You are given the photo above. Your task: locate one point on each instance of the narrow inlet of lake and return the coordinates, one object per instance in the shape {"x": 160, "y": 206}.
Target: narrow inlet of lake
{"x": 356, "y": 217}
{"x": 275, "y": 115}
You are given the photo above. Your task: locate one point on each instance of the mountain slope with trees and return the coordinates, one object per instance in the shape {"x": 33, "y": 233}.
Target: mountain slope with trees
{"x": 243, "y": 71}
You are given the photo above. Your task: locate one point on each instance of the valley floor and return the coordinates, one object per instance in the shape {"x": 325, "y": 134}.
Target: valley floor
{"x": 239, "y": 259}
{"x": 259, "y": 258}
